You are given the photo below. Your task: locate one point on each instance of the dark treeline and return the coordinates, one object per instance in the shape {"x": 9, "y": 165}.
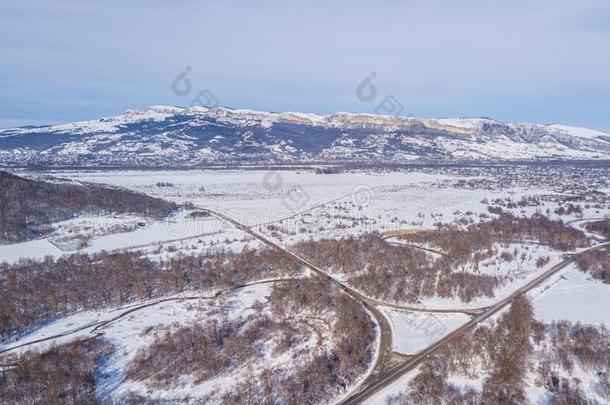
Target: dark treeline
{"x": 28, "y": 206}
{"x": 61, "y": 375}
{"x": 36, "y": 291}
{"x": 205, "y": 351}
{"x": 516, "y": 348}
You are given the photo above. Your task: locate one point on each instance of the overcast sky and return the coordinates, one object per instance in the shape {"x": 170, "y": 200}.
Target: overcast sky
{"x": 544, "y": 61}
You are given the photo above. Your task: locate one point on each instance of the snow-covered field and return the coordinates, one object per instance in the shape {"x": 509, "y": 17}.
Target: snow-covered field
{"x": 135, "y": 332}
{"x": 573, "y": 296}
{"x": 258, "y": 196}
{"x": 327, "y": 205}
{"x": 414, "y": 331}
{"x": 176, "y": 233}
{"x": 293, "y": 205}
{"x": 83, "y": 324}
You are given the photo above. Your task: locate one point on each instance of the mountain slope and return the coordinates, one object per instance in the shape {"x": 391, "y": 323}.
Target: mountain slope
{"x": 173, "y": 136}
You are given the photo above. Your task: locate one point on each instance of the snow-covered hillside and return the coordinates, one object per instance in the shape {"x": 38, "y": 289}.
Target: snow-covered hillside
{"x": 183, "y": 137}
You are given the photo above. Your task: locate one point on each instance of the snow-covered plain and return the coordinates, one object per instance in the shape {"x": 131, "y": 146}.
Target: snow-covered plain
{"x": 340, "y": 203}
{"x": 289, "y": 206}
{"x": 293, "y": 200}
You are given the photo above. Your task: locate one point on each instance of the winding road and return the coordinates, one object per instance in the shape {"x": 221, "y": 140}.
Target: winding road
{"x": 385, "y": 370}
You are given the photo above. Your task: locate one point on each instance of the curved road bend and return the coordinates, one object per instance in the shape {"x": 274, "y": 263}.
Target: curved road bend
{"x": 596, "y": 236}
{"x": 589, "y": 219}
{"x": 382, "y": 375}
{"x": 384, "y": 359}
{"x": 385, "y": 341}
{"x": 360, "y": 395}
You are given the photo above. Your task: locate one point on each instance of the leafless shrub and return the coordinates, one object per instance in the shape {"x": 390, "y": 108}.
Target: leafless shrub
{"x": 596, "y": 264}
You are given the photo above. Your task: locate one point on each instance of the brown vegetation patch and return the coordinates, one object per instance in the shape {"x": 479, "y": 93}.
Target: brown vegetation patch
{"x": 406, "y": 274}
{"x": 596, "y": 263}
{"x": 601, "y": 227}
{"x": 36, "y": 291}
{"x": 217, "y": 348}
{"x": 507, "y": 353}
{"x": 28, "y": 206}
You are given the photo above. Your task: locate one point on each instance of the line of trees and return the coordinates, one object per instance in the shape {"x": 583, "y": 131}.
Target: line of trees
{"x": 462, "y": 243}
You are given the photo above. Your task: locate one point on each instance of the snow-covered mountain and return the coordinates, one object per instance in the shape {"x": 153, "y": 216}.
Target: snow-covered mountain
{"x": 174, "y": 136}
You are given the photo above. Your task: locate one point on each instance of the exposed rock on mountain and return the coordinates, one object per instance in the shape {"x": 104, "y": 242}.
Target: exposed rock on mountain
{"x": 173, "y": 136}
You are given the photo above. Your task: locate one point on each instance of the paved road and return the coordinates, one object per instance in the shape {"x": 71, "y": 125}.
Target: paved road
{"x": 357, "y": 294}
{"x": 385, "y": 341}
{"x": 412, "y": 245}
{"x": 383, "y": 374}
{"x": 590, "y": 219}
{"x": 598, "y": 237}
{"x": 366, "y": 391}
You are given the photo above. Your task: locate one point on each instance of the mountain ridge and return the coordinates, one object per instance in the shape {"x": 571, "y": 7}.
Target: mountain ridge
{"x": 178, "y": 136}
